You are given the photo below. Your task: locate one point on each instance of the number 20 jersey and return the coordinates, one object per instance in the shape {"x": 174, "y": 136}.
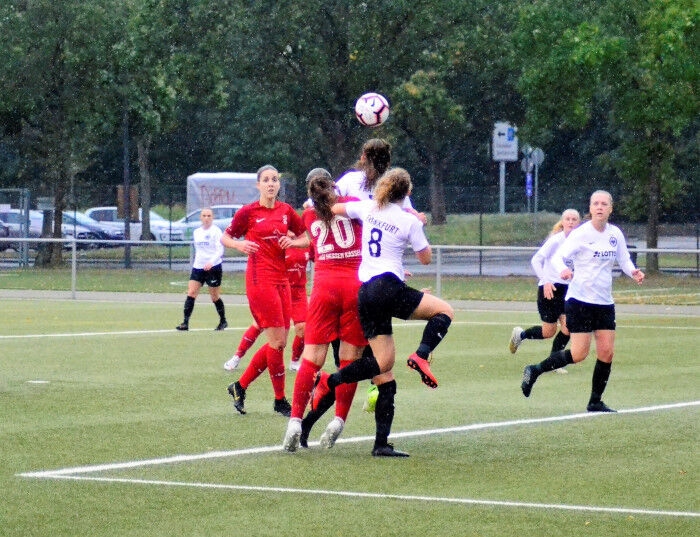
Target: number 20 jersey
{"x": 338, "y": 247}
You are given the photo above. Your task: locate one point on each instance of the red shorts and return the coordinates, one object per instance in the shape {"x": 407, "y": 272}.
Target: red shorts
{"x": 300, "y": 303}
{"x": 333, "y": 313}
{"x": 270, "y": 305}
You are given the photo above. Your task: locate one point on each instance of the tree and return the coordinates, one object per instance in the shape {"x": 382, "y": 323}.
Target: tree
{"x": 51, "y": 75}
{"x": 636, "y": 59}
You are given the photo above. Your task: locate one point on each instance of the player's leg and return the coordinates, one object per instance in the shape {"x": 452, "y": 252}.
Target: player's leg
{"x": 439, "y": 315}
{"x": 193, "y": 287}
{"x": 384, "y": 417}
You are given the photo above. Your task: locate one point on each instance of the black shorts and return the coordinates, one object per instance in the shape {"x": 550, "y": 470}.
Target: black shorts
{"x": 383, "y": 297}
{"x": 582, "y": 317}
{"x": 551, "y": 310}
{"x": 211, "y": 277}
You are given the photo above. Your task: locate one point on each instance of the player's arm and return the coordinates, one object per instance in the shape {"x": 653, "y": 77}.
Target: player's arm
{"x": 340, "y": 209}
{"x": 425, "y": 256}
{"x": 301, "y": 241}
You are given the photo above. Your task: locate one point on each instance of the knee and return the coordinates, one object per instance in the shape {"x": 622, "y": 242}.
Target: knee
{"x": 548, "y": 330}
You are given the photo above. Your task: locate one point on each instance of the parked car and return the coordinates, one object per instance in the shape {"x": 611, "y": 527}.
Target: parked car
{"x": 102, "y": 231}
{"x": 16, "y": 225}
{"x": 222, "y": 218}
{"x": 162, "y": 229}
{"x": 4, "y": 233}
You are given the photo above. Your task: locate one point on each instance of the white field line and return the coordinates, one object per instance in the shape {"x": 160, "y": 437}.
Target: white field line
{"x": 77, "y": 473}
{"x": 400, "y": 497}
{"x": 396, "y": 326}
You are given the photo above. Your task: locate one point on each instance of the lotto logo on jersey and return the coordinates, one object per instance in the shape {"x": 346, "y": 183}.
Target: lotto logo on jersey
{"x": 604, "y": 253}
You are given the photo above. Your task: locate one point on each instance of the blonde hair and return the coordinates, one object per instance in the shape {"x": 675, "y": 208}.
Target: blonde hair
{"x": 392, "y": 187}
{"x": 560, "y": 224}
{"x": 608, "y": 194}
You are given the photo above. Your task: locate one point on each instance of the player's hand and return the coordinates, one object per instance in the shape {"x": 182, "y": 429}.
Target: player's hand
{"x": 548, "y": 290}
{"x": 638, "y": 276}
{"x": 247, "y": 247}
{"x": 566, "y": 274}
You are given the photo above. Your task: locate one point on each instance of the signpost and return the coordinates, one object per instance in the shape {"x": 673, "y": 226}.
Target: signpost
{"x": 531, "y": 160}
{"x": 505, "y": 149}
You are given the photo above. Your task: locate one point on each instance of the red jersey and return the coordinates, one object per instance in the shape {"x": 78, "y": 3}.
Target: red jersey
{"x": 265, "y": 227}
{"x": 296, "y": 260}
{"x": 338, "y": 247}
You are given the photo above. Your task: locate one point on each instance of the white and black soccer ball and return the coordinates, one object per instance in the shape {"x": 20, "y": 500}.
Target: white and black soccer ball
{"x": 372, "y": 109}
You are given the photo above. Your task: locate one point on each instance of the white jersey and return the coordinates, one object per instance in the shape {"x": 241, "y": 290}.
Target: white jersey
{"x": 207, "y": 246}
{"x": 542, "y": 261}
{"x": 351, "y": 184}
{"x": 386, "y": 233}
{"x": 593, "y": 254}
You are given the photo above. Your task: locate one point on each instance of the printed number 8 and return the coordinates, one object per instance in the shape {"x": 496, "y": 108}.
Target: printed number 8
{"x": 375, "y": 247}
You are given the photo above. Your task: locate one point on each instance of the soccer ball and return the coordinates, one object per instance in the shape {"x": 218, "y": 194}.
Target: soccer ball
{"x": 372, "y": 109}
{"x": 371, "y": 401}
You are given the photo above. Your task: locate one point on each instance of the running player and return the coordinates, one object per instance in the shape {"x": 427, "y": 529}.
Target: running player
{"x": 551, "y": 289}
{"x": 593, "y": 247}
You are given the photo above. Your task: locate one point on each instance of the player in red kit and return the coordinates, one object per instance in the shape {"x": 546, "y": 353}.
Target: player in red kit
{"x": 297, "y": 259}
{"x": 263, "y": 224}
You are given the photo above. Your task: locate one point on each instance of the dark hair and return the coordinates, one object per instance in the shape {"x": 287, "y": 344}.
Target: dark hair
{"x": 392, "y": 187}
{"x": 318, "y": 171}
{"x": 377, "y": 154}
{"x": 264, "y": 169}
{"x": 321, "y": 190}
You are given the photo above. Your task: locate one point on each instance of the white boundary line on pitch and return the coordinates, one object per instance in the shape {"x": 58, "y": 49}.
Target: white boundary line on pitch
{"x": 397, "y": 325}
{"x": 401, "y": 497}
{"x": 76, "y": 473}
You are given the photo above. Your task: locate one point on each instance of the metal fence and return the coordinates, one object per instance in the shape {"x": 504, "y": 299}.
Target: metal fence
{"x": 448, "y": 261}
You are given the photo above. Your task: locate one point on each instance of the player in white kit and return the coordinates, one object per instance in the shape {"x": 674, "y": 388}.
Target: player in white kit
{"x": 206, "y": 268}
{"x": 593, "y": 247}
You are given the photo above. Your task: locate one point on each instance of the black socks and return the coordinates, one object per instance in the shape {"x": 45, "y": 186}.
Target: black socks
{"x": 384, "y": 412}
{"x": 601, "y": 374}
{"x": 364, "y": 368}
{"x": 219, "y": 304}
{"x": 534, "y": 332}
{"x": 433, "y": 333}
{"x": 560, "y": 341}
{"x": 189, "y": 306}
{"x": 556, "y": 360}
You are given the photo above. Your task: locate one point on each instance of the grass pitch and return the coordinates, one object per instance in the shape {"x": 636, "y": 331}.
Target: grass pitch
{"x": 117, "y": 425}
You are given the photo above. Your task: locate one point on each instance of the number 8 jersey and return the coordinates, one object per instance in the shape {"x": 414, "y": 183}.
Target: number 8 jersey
{"x": 386, "y": 233}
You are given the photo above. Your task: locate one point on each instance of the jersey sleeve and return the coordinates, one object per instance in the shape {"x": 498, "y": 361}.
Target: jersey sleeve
{"x": 623, "y": 254}
{"x": 545, "y": 252}
{"x": 416, "y": 235}
{"x": 239, "y": 223}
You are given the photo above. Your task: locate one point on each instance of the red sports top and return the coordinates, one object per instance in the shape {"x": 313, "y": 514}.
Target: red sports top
{"x": 296, "y": 260}
{"x": 264, "y": 227}
{"x": 338, "y": 247}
